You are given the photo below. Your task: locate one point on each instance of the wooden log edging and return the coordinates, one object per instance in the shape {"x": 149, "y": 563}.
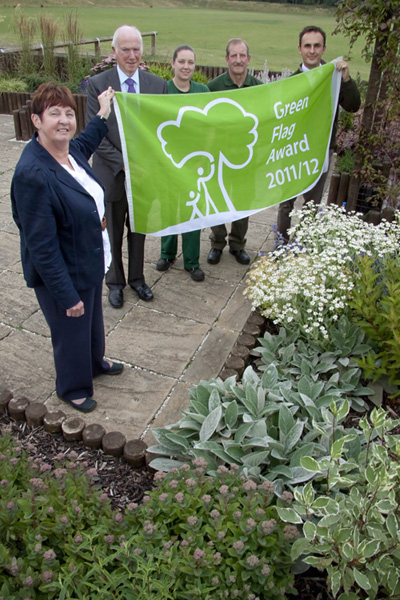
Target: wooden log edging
{"x": 72, "y": 428}
{"x": 94, "y": 435}
{"x": 239, "y": 358}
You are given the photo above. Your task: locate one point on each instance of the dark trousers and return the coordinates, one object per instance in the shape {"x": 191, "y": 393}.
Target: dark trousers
{"x": 237, "y": 236}
{"x": 190, "y": 248}
{"x": 117, "y": 217}
{"x": 285, "y": 208}
{"x": 78, "y": 342}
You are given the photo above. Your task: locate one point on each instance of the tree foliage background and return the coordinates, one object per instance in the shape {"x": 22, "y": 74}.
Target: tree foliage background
{"x": 377, "y": 158}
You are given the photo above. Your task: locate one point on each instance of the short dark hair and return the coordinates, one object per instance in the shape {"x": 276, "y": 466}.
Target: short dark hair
{"x": 182, "y": 47}
{"x": 51, "y": 94}
{"x": 236, "y": 41}
{"x": 310, "y": 29}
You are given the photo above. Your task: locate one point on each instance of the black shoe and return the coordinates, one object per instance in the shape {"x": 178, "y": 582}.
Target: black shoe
{"x": 214, "y": 256}
{"x": 115, "y": 369}
{"x": 163, "y": 264}
{"x": 196, "y": 274}
{"x": 116, "y": 298}
{"x": 87, "y": 406}
{"x": 144, "y": 292}
{"x": 241, "y": 256}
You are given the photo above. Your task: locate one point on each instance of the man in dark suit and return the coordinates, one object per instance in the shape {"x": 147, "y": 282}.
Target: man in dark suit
{"x": 312, "y": 45}
{"x": 108, "y": 164}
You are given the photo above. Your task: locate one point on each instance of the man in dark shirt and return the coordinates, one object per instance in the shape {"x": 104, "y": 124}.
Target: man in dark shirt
{"x": 312, "y": 45}
{"x": 237, "y": 76}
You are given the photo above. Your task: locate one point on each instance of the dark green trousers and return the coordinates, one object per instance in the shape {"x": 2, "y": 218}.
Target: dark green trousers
{"x": 190, "y": 248}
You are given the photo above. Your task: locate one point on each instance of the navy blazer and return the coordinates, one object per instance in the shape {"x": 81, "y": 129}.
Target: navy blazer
{"x": 60, "y": 229}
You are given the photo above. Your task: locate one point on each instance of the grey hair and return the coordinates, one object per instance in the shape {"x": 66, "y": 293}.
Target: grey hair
{"x": 134, "y": 30}
{"x": 236, "y": 41}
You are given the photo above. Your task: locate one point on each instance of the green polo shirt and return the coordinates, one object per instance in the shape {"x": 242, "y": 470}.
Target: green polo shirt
{"x": 195, "y": 88}
{"x": 224, "y": 82}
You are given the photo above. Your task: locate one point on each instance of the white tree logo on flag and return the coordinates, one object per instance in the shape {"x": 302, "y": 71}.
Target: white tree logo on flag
{"x": 230, "y": 143}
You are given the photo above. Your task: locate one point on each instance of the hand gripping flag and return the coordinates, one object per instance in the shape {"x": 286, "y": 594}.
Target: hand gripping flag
{"x": 198, "y": 160}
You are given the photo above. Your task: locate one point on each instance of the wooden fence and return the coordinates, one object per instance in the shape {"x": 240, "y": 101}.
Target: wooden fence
{"x": 9, "y": 58}
{"x": 17, "y": 104}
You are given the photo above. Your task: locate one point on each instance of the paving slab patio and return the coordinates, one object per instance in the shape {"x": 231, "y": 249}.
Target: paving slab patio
{"x": 167, "y": 346}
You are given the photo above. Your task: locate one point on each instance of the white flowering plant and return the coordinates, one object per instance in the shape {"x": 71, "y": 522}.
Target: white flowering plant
{"x": 305, "y": 285}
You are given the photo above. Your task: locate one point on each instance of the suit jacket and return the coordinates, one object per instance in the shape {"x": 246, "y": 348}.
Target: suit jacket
{"x": 349, "y": 100}
{"x": 60, "y": 229}
{"x": 107, "y": 162}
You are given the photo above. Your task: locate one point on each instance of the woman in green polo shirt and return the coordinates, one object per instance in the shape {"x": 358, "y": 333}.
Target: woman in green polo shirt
{"x": 183, "y": 63}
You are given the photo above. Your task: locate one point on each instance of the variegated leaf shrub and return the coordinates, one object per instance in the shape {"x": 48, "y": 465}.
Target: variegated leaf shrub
{"x": 350, "y": 512}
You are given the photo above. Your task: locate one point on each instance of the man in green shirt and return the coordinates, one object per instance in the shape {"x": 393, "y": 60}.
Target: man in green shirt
{"x": 237, "y": 76}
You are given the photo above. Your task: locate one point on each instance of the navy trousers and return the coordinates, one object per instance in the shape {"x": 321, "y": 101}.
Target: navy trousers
{"x": 78, "y": 342}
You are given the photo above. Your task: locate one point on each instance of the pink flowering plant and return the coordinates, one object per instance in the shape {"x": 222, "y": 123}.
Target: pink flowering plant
{"x": 193, "y": 536}
{"x": 59, "y": 536}
{"x": 103, "y": 65}
{"x": 224, "y": 531}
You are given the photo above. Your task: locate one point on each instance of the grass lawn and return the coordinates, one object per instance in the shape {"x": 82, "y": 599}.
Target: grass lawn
{"x": 270, "y": 30}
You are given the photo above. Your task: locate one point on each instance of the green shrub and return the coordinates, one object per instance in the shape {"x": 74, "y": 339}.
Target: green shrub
{"x": 335, "y": 369}
{"x": 194, "y": 537}
{"x": 223, "y": 530}
{"x": 375, "y": 300}
{"x": 200, "y": 77}
{"x": 11, "y": 84}
{"x": 162, "y": 71}
{"x": 264, "y": 425}
{"x": 345, "y": 162}
{"x": 352, "y": 531}
{"x": 33, "y": 81}
{"x": 346, "y": 120}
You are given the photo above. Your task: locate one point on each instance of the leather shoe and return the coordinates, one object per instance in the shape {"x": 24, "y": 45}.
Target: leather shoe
{"x": 214, "y": 256}
{"x": 116, "y": 298}
{"x": 163, "y": 264}
{"x": 196, "y": 274}
{"x": 87, "y": 406}
{"x": 144, "y": 292}
{"x": 241, "y": 256}
{"x": 115, "y": 369}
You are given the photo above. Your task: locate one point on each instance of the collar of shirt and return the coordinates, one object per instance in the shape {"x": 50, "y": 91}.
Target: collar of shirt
{"x": 303, "y": 67}
{"x": 233, "y": 85}
{"x": 123, "y": 77}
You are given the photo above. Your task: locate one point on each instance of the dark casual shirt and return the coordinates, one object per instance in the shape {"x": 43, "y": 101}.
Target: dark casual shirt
{"x": 195, "y": 88}
{"x": 224, "y": 82}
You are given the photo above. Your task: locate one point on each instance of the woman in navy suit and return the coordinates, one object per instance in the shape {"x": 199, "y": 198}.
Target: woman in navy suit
{"x": 58, "y": 206}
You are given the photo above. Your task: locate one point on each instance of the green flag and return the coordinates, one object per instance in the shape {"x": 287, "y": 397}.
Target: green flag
{"x": 198, "y": 160}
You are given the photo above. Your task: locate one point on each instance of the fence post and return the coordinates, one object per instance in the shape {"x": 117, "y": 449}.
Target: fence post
{"x": 97, "y": 48}
{"x": 17, "y": 125}
{"x": 333, "y": 189}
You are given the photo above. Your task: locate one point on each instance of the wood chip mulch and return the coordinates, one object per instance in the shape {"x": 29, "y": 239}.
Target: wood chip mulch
{"x": 122, "y": 483}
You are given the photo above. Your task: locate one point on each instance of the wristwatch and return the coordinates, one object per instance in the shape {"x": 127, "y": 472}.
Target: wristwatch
{"x": 103, "y": 118}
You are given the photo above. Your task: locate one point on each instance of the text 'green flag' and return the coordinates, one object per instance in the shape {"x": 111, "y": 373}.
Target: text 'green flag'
{"x": 198, "y": 160}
